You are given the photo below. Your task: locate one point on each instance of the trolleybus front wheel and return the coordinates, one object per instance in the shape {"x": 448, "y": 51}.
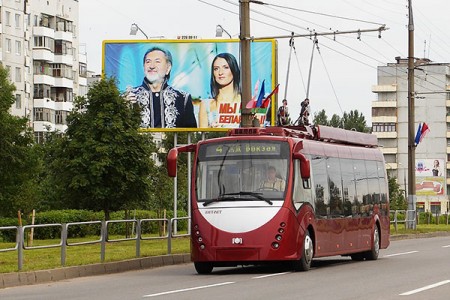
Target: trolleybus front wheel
{"x": 203, "y": 267}
{"x": 304, "y": 263}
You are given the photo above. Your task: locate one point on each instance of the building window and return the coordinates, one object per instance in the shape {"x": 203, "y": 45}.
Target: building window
{"x": 63, "y": 47}
{"x": 44, "y": 42}
{"x": 18, "y": 48}
{"x": 18, "y": 74}
{"x": 39, "y": 137}
{"x": 384, "y": 127}
{"x": 18, "y": 101}
{"x": 17, "y": 21}
{"x": 8, "y": 45}
{"x": 8, "y": 18}
{"x": 60, "y": 117}
{"x": 41, "y": 91}
{"x": 38, "y": 114}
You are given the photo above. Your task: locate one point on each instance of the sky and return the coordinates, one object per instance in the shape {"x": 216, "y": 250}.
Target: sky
{"x": 341, "y": 71}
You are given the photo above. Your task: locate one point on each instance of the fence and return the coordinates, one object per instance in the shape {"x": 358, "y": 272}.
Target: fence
{"x": 401, "y": 217}
{"x": 137, "y": 235}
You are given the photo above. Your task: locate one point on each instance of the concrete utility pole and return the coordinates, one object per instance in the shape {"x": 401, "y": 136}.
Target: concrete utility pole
{"x": 245, "y": 41}
{"x": 411, "y": 117}
{"x": 246, "y": 96}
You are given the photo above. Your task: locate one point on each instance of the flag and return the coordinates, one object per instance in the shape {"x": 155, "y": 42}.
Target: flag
{"x": 266, "y": 101}
{"x": 418, "y": 133}
{"x": 261, "y": 95}
{"x": 425, "y": 130}
{"x": 422, "y": 130}
{"x": 252, "y": 102}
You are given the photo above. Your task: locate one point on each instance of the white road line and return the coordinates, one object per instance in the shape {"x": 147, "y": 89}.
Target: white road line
{"x": 403, "y": 253}
{"x": 270, "y": 275}
{"x": 448, "y": 246}
{"x": 431, "y": 286}
{"x": 188, "y": 289}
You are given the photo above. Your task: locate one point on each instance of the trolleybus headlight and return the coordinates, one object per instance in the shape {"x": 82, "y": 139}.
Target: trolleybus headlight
{"x": 278, "y": 237}
{"x": 282, "y": 224}
{"x": 195, "y": 226}
{"x": 275, "y": 245}
{"x": 202, "y": 247}
{"x": 197, "y": 232}
{"x": 200, "y": 239}
{"x": 280, "y": 230}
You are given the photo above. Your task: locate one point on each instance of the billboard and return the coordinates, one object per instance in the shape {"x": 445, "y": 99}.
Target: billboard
{"x": 191, "y": 84}
{"x": 430, "y": 177}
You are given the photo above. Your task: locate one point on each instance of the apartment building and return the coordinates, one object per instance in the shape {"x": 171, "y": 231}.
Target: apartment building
{"x": 40, "y": 47}
{"x": 390, "y": 124}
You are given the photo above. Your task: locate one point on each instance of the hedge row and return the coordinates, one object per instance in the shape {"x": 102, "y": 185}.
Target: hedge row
{"x": 75, "y": 216}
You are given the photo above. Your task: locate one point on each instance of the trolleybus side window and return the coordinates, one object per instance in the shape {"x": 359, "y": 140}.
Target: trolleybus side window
{"x": 373, "y": 182}
{"x": 362, "y": 190}
{"x": 335, "y": 186}
{"x": 300, "y": 194}
{"x": 349, "y": 187}
{"x": 320, "y": 186}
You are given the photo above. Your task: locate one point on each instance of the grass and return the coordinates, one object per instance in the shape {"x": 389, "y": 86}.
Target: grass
{"x": 50, "y": 258}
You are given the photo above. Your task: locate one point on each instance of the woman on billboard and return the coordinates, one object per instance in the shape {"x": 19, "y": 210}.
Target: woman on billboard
{"x": 224, "y": 109}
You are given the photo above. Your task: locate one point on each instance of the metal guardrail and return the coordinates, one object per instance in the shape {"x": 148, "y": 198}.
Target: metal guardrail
{"x": 20, "y": 245}
{"x": 396, "y": 220}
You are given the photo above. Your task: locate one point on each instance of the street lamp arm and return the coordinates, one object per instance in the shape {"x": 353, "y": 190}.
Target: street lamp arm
{"x": 135, "y": 28}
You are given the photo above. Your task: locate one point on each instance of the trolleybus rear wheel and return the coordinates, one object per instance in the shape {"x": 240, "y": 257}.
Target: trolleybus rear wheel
{"x": 373, "y": 254}
{"x": 203, "y": 267}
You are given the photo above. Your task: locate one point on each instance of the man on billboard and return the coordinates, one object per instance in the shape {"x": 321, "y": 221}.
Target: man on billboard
{"x": 162, "y": 105}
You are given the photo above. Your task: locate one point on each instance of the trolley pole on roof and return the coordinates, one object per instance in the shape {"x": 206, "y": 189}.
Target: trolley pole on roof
{"x": 244, "y": 13}
{"x": 411, "y": 224}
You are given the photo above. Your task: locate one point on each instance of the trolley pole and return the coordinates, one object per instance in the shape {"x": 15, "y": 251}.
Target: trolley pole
{"x": 244, "y": 13}
{"x": 411, "y": 224}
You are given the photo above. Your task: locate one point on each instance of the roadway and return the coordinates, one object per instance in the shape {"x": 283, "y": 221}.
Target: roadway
{"x": 408, "y": 270}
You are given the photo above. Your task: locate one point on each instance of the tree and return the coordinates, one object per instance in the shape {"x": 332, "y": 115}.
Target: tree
{"x": 396, "y": 196}
{"x": 102, "y": 162}
{"x": 18, "y": 159}
{"x": 320, "y": 118}
{"x": 353, "y": 120}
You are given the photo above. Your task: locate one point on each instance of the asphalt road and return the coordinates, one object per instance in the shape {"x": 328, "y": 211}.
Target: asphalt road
{"x": 408, "y": 269}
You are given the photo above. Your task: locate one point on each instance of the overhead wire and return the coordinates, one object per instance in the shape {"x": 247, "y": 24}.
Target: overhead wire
{"x": 303, "y": 28}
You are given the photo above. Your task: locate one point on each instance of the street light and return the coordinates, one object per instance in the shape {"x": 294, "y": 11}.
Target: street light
{"x": 220, "y": 30}
{"x": 135, "y": 28}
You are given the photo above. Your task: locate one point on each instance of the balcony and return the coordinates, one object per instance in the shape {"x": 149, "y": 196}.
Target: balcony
{"x": 384, "y": 119}
{"x": 392, "y": 103}
{"x": 388, "y": 88}
{"x": 64, "y": 35}
{"x": 44, "y": 79}
{"x": 44, "y": 54}
{"x": 386, "y": 135}
{"x": 44, "y": 31}
{"x": 389, "y": 150}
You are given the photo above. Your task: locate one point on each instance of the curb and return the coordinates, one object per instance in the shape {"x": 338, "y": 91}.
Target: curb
{"x": 43, "y": 276}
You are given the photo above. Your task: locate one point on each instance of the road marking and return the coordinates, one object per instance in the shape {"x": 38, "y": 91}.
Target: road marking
{"x": 448, "y": 246}
{"x": 431, "y": 286}
{"x": 270, "y": 275}
{"x": 186, "y": 290}
{"x": 403, "y": 253}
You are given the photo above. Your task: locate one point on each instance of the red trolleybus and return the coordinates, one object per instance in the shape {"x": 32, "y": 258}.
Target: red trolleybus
{"x": 330, "y": 197}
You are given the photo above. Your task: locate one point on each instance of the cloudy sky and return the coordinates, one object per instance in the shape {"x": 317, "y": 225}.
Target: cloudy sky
{"x": 343, "y": 70}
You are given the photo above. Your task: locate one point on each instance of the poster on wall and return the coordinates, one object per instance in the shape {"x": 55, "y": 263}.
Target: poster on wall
{"x": 189, "y": 84}
{"x": 430, "y": 177}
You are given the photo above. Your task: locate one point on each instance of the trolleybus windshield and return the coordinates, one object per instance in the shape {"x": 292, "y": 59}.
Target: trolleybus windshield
{"x": 242, "y": 171}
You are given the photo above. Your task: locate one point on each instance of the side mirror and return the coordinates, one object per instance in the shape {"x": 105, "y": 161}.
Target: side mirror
{"x": 305, "y": 166}
{"x": 172, "y": 158}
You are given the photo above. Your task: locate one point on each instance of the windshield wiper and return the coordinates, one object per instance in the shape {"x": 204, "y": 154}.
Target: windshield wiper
{"x": 241, "y": 193}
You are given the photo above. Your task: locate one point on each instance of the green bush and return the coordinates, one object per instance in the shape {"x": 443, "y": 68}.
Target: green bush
{"x": 8, "y": 235}
{"x": 75, "y": 216}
